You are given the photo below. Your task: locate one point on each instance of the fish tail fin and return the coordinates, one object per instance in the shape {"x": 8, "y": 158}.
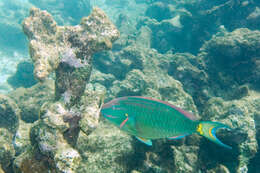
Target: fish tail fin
{"x": 209, "y": 128}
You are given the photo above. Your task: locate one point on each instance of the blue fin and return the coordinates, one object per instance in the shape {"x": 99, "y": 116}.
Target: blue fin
{"x": 146, "y": 141}
{"x": 178, "y": 137}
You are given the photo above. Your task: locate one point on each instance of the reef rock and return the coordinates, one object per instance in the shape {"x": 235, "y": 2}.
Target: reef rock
{"x": 74, "y": 108}
{"x": 106, "y": 149}
{"x": 33, "y": 161}
{"x": 235, "y": 55}
{"x": 9, "y": 114}
{"x": 72, "y": 44}
{"x": 21, "y": 140}
{"x": 185, "y": 159}
{"x": 31, "y": 99}
{"x": 7, "y": 151}
{"x": 239, "y": 115}
{"x": 143, "y": 75}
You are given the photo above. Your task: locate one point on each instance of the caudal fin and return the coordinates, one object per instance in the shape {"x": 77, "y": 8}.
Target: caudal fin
{"x": 209, "y": 128}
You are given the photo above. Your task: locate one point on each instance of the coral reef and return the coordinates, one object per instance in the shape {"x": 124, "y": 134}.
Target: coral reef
{"x": 7, "y": 151}
{"x": 9, "y": 114}
{"x": 69, "y": 49}
{"x": 199, "y": 55}
{"x": 197, "y": 74}
{"x": 236, "y": 56}
{"x": 74, "y": 108}
{"x": 105, "y": 150}
{"x": 30, "y": 100}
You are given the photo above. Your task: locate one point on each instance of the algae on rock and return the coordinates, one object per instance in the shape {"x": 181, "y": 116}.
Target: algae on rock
{"x": 9, "y": 114}
{"x": 68, "y": 51}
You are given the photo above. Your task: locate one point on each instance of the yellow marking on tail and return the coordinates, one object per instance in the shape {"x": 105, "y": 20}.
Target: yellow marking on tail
{"x": 210, "y": 132}
{"x": 126, "y": 115}
{"x": 199, "y": 129}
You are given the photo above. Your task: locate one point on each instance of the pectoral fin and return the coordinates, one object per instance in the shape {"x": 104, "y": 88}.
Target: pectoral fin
{"x": 146, "y": 141}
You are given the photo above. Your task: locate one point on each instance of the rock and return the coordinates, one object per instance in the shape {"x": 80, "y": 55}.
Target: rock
{"x": 239, "y": 115}
{"x": 253, "y": 18}
{"x": 52, "y": 144}
{"x": 119, "y": 63}
{"x": 235, "y": 56}
{"x": 102, "y": 78}
{"x": 23, "y": 76}
{"x": 9, "y": 114}
{"x": 73, "y": 61}
{"x": 32, "y": 161}
{"x": 31, "y": 99}
{"x": 190, "y": 71}
{"x": 73, "y": 109}
{"x": 231, "y": 45}
{"x": 159, "y": 11}
{"x": 106, "y": 149}
{"x": 7, "y": 151}
{"x": 185, "y": 159}
{"x": 219, "y": 169}
{"x": 92, "y": 101}
{"x": 67, "y": 160}
{"x": 21, "y": 140}
{"x": 134, "y": 84}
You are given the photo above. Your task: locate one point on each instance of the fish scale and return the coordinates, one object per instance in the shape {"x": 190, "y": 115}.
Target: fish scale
{"x": 148, "y": 118}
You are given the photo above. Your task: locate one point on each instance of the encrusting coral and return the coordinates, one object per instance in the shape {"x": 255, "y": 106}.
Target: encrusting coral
{"x": 67, "y": 51}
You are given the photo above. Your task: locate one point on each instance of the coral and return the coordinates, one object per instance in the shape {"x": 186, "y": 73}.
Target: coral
{"x": 33, "y": 161}
{"x": 74, "y": 108}
{"x": 7, "y": 151}
{"x": 91, "y": 103}
{"x": 70, "y": 49}
{"x": 220, "y": 83}
{"x": 21, "y": 140}
{"x": 185, "y": 159}
{"x": 9, "y": 114}
{"x": 106, "y": 149}
{"x": 58, "y": 41}
{"x": 31, "y": 99}
{"x": 235, "y": 55}
{"x": 239, "y": 115}
{"x": 160, "y": 11}
{"x": 219, "y": 169}
{"x": 142, "y": 75}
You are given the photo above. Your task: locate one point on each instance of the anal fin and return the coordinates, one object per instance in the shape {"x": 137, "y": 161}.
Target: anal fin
{"x": 146, "y": 141}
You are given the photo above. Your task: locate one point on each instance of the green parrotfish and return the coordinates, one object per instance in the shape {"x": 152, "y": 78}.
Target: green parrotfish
{"x": 148, "y": 118}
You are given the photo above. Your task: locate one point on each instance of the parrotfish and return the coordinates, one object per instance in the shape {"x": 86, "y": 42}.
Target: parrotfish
{"x": 148, "y": 119}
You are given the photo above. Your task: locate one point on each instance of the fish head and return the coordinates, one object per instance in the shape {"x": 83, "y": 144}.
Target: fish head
{"x": 115, "y": 112}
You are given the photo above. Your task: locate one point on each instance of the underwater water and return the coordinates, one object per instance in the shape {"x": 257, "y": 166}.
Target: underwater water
{"x": 61, "y": 60}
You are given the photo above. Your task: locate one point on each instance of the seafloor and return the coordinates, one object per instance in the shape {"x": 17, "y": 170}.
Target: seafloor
{"x": 57, "y": 67}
